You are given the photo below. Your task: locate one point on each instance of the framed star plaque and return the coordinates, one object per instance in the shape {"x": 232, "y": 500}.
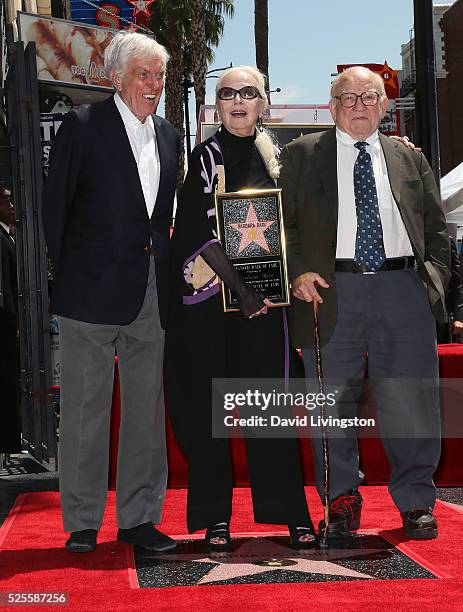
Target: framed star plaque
{"x": 250, "y": 228}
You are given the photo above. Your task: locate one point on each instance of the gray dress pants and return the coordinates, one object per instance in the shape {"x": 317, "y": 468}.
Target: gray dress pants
{"x": 387, "y": 317}
{"x": 87, "y": 372}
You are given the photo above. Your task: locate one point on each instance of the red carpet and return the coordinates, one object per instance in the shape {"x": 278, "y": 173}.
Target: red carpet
{"x": 32, "y": 559}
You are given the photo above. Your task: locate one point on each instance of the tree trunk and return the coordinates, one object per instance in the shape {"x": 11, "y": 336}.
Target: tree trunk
{"x": 261, "y": 37}
{"x": 174, "y": 96}
{"x": 199, "y": 61}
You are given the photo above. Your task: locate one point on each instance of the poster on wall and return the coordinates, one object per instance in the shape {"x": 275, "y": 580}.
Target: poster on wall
{"x": 49, "y": 125}
{"x": 67, "y": 52}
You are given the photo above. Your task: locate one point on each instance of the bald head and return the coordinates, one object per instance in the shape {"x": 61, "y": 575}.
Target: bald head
{"x": 360, "y": 120}
{"x": 356, "y": 73}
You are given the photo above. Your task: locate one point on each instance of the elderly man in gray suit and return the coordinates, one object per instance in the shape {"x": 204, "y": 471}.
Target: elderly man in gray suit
{"x": 367, "y": 240}
{"x": 107, "y": 212}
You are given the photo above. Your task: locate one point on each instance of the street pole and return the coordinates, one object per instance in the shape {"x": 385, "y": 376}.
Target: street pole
{"x": 427, "y": 125}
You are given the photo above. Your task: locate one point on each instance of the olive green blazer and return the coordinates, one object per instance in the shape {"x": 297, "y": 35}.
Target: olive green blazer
{"x": 310, "y": 203}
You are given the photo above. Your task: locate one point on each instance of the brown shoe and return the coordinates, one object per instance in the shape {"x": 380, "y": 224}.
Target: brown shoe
{"x": 420, "y": 524}
{"x": 345, "y": 513}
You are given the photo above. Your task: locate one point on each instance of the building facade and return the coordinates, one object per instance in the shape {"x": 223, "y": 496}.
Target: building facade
{"x": 448, "y": 34}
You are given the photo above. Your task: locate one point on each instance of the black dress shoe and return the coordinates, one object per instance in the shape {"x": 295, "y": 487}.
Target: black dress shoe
{"x": 82, "y": 541}
{"x": 420, "y": 524}
{"x": 344, "y": 515}
{"x": 148, "y": 537}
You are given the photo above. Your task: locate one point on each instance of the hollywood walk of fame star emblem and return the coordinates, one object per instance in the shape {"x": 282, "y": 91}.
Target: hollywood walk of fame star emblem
{"x": 252, "y": 230}
{"x": 262, "y": 560}
{"x": 141, "y": 6}
{"x": 245, "y": 562}
{"x": 391, "y": 81}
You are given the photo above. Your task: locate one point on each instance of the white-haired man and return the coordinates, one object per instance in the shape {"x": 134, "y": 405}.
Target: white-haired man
{"x": 367, "y": 240}
{"x": 107, "y": 211}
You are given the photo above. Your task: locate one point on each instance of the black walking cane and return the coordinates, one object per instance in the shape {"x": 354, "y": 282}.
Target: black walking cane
{"x": 323, "y": 536}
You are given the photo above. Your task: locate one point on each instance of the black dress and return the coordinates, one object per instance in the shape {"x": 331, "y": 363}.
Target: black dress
{"x": 203, "y": 342}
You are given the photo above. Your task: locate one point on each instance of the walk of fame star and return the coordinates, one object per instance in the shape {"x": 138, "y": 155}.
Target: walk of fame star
{"x": 391, "y": 81}
{"x": 270, "y": 560}
{"x": 141, "y": 6}
{"x": 252, "y": 230}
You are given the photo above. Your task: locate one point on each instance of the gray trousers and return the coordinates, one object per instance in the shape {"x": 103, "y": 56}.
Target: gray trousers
{"x": 388, "y": 317}
{"x": 87, "y": 372}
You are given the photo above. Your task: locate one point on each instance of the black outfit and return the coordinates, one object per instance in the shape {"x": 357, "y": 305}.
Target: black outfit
{"x": 453, "y": 296}
{"x": 203, "y": 343}
{"x": 10, "y": 430}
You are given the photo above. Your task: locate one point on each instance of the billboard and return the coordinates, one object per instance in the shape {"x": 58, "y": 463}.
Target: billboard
{"x": 67, "y": 52}
{"x": 114, "y": 14}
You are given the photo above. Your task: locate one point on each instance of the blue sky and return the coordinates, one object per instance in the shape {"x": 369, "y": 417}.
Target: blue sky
{"x": 308, "y": 38}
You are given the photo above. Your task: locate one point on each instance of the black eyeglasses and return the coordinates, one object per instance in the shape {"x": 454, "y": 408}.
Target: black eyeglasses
{"x": 348, "y": 100}
{"x": 246, "y": 93}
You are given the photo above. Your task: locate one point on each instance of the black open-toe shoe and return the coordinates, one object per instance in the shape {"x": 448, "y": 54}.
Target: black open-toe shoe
{"x": 296, "y": 533}
{"x": 219, "y": 531}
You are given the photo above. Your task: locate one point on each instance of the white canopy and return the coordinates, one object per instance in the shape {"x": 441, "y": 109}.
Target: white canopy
{"x": 451, "y": 186}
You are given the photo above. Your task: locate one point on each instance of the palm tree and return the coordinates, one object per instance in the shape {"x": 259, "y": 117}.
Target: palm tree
{"x": 167, "y": 23}
{"x": 198, "y": 51}
{"x": 207, "y": 24}
{"x": 188, "y": 29}
{"x": 261, "y": 37}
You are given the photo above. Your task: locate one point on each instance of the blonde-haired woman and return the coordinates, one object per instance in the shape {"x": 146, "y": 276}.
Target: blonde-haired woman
{"x": 204, "y": 343}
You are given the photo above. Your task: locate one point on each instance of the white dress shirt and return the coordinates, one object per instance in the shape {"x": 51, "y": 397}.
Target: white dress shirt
{"x": 142, "y": 138}
{"x": 5, "y": 227}
{"x": 395, "y": 237}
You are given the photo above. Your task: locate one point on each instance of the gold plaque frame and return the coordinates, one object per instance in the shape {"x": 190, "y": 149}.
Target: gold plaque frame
{"x": 260, "y": 256}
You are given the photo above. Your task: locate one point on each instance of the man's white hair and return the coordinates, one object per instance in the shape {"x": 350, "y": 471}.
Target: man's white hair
{"x": 125, "y": 45}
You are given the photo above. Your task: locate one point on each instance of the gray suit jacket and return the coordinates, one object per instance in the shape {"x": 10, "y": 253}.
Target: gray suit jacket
{"x": 310, "y": 203}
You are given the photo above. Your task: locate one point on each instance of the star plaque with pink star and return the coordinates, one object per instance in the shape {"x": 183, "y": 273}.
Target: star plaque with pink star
{"x": 250, "y": 228}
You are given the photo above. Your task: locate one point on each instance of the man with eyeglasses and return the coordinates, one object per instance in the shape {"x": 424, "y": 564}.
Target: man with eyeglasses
{"x": 367, "y": 240}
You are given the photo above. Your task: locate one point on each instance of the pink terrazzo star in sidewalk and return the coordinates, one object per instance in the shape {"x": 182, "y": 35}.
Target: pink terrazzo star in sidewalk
{"x": 244, "y": 561}
{"x": 252, "y": 230}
